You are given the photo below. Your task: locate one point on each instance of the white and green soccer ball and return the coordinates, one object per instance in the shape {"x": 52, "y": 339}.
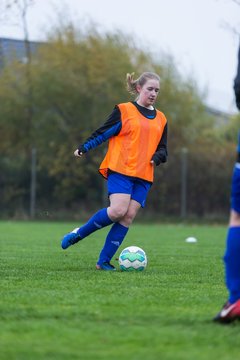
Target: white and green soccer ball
{"x": 132, "y": 258}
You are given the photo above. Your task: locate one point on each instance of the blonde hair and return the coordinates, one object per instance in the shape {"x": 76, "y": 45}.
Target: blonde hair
{"x": 132, "y": 84}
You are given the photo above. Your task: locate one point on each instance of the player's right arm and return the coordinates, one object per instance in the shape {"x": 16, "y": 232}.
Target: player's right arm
{"x": 110, "y": 128}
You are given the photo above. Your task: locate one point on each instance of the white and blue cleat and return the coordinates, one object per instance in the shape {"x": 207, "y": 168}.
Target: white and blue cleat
{"x": 70, "y": 239}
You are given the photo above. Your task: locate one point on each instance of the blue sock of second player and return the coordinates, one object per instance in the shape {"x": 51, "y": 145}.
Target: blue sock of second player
{"x": 232, "y": 263}
{"x": 114, "y": 239}
{"x": 96, "y": 222}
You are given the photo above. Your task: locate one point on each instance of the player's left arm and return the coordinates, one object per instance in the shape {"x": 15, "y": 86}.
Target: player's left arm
{"x": 161, "y": 153}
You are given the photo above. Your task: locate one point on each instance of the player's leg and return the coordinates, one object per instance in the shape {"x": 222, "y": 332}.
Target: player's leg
{"x": 232, "y": 254}
{"x": 119, "y": 203}
{"x": 116, "y": 236}
{"x": 231, "y": 309}
{"x": 104, "y": 217}
{"x": 99, "y": 220}
{"x": 131, "y": 213}
{"x": 119, "y": 229}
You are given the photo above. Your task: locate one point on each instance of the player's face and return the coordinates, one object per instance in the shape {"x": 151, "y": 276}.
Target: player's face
{"x": 148, "y": 93}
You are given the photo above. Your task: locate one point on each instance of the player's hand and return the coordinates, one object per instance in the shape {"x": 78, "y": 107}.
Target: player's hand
{"x": 77, "y": 153}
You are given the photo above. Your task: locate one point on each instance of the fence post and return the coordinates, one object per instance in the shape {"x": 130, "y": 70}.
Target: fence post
{"x": 184, "y": 154}
{"x": 33, "y": 183}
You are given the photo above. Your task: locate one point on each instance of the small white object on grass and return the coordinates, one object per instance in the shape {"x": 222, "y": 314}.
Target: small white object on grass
{"x": 191, "y": 239}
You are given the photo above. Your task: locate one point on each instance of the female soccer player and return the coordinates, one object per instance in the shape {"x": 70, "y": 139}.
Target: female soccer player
{"x": 137, "y": 135}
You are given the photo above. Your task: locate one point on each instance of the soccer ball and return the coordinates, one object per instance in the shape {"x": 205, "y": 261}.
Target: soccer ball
{"x": 132, "y": 258}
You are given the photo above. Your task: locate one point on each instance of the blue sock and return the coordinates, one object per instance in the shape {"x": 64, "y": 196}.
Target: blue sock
{"x": 232, "y": 263}
{"x": 114, "y": 239}
{"x": 235, "y": 193}
{"x": 96, "y": 222}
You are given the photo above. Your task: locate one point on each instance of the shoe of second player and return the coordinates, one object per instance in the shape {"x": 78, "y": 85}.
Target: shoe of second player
{"x": 229, "y": 313}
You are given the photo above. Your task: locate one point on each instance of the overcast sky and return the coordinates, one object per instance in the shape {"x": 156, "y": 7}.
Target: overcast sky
{"x": 196, "y": 33}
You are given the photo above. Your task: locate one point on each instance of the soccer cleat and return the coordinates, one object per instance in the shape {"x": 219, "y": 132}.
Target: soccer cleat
{"x": 105, "y": 266}
{"x": 229, "y": 313}
{"x": 70, "y": 239}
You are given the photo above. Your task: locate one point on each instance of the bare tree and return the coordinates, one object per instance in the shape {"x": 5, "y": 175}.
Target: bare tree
{"x": 14, "y": 12}
{"x": 236, "y": 2}
{"x": 235, "y": 30}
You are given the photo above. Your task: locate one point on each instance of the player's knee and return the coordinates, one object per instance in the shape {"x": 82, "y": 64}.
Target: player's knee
{"x": 128, "y": 217}
{"x": 116, "y": 213}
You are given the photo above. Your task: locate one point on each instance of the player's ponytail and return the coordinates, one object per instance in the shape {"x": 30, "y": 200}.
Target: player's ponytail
{"x": 131, "y": 84}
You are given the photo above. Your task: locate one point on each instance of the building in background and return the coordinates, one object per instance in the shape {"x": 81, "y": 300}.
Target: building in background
{"x": 12, "y": 49}
{"x": 222, "y": 117}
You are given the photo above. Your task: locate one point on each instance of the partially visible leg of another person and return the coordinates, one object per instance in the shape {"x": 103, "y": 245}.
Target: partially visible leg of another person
{"x": 231, "y": 309}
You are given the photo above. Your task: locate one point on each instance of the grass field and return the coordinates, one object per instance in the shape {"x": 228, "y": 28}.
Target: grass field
{"x": 55, "y": 305}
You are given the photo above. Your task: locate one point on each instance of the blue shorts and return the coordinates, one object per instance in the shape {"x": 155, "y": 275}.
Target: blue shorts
{"x": 122, "y": 184}
{"x": 235, "y": 195}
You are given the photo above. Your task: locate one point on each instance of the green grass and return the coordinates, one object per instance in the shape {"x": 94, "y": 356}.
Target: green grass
{"x": 55, "y": 305}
